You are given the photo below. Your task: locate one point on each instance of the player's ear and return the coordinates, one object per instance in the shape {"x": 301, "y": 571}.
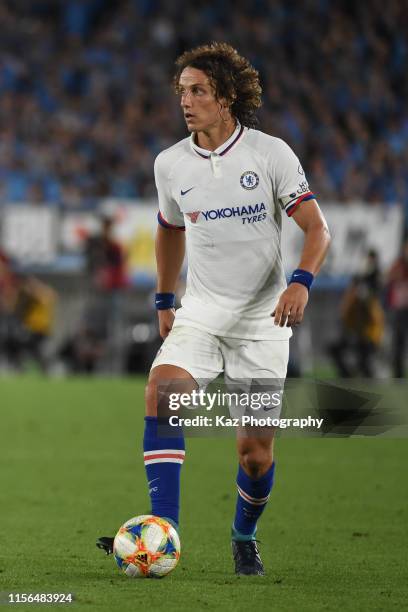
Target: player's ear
{"x": 223, "y": 104}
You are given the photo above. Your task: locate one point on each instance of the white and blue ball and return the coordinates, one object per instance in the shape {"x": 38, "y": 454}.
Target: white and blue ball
{"x": 146, "y": 546}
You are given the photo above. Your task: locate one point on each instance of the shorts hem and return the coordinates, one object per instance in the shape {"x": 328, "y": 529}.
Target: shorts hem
{"x": 232, "y": 335}
{"x": 177, "y": 364}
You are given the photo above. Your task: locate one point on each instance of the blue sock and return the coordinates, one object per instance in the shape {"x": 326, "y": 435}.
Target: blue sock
{"x": 252, "y": 498}
{"x": 163, "y": 458}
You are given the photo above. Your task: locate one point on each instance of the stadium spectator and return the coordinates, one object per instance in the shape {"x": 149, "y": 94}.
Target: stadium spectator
{"x": 8, "y": 293}
{"x": 398, "y": 302}
{"x": 85, "y": 105}
{"x": 362, "y": 323}
{"x": 99, "y": 335}
{"x": 371, "y": 273}
{"x": 105, "y": 259}
{"x": 27, "y": 320}
{"x": 7, "y": 284}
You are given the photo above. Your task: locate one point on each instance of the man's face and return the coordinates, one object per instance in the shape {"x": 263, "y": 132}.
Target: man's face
{"x": 197, "y": 98}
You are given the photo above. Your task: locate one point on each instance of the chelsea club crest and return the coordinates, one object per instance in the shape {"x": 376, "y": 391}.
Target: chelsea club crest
{"x": 249, "y": 180}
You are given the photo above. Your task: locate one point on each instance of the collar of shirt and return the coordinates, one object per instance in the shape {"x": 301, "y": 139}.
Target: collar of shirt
{"x": 222, "y": 149}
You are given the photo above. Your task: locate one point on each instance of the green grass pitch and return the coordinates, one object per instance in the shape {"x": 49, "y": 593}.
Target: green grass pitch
{"x": 334, "y": 536}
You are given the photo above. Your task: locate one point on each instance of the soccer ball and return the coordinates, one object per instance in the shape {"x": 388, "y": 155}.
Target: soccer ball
{"x": 146, "y": 546}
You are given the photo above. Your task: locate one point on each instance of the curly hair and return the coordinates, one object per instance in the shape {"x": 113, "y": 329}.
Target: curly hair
{"x": 231, "y": 75}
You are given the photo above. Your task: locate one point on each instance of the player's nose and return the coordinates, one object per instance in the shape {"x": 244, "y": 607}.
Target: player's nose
{"x": 185, "y": 100}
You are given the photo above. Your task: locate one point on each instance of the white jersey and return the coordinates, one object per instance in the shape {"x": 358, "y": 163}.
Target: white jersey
{"x": 230, "y": 203}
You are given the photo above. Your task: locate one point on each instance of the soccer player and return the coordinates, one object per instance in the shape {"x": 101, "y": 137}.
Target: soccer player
{"x": 222, "y": 192}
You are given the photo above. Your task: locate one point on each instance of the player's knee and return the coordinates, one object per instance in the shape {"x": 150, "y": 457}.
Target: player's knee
{"x": 155, "y": 391}
{"x": 151, "y": 398}
{"x": 161, "y": 384}
{"x": 256, "y": 461}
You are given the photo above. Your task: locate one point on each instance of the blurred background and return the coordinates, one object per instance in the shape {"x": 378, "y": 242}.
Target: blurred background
{"x": 85, "y": 106}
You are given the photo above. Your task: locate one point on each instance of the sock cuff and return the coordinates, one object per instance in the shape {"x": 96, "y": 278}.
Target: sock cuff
{"x": 156, "y": 437}
{"x": 243, "y": 480}
{"x": 237, "y": 536}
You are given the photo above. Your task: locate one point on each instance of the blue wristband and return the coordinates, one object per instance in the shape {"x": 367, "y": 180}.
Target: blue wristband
{"x": 303, "y": 277}
{"x": 165, "y": 301}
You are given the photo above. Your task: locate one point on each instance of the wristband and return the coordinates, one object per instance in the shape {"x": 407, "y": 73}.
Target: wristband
{"x": 303, "y": 277}
{"x": 165, "y": 301}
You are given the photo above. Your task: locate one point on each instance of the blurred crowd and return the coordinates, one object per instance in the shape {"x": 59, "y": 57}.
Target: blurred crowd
{"x": 27, "y": 307}
{"x": 371, "y": 339}
{"x": 371, "y": 298}
{"x": 103, "y": 336}
{"x": 86, "y": 101}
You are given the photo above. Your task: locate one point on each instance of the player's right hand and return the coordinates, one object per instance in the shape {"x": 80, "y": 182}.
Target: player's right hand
{"x": 166, "y": 320}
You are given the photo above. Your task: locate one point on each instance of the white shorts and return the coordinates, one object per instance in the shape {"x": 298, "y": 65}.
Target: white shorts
{"x": 205, "y": 356}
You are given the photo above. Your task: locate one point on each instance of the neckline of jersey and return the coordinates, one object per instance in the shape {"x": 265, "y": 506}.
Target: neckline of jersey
{"x": 222, "y": 149}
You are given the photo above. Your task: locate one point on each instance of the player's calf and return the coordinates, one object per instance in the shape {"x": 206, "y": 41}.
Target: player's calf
{"x": 254, "y": 484}
{"x": 255, "y": 454}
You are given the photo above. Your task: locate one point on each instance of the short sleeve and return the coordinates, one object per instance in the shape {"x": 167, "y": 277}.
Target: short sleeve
{"x": 291, "y": 186}
{"x": 170, "y": 215}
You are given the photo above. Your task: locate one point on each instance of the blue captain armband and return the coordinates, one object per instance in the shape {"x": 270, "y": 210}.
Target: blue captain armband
{"x": 165, "y": 301}
{"x": 303, "y": 277}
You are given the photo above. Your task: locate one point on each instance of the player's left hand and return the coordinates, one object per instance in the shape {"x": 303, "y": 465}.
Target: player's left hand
{"x": 291, "y": 306}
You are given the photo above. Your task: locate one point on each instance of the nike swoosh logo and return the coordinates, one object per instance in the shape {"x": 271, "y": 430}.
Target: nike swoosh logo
{"x": 187, "y": 190}
{"x": 150, "y": 481}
